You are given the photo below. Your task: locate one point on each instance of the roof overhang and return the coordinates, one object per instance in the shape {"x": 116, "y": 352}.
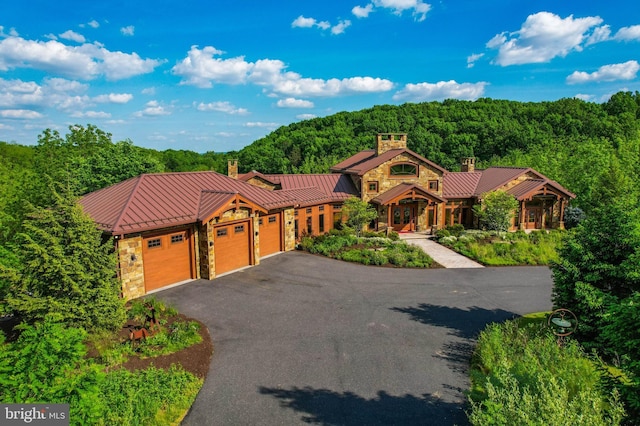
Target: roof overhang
{"x": 529, "y": 189}
{"x": 214, "y": 203}
{"x": 407, "y": 191}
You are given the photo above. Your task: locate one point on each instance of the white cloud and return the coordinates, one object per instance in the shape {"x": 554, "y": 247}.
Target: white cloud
{"x": 87, "y": 61}
{"x": 93, "y": 24}
{"x": 471, "y": 59}
{"x": 340, "y": 27}
{"x": 628, "y": 33}
{"x": 418, "y": 8}
{"x": 599, "y": 35}
{"x": 542, "y": 37}
{"x": 625, "y": 71}
{"x": 91, "y": 114}
{"x": 200, "y": 68}
{"x": 305, "y": 116}
{"x": 260, "y": 124}
{"x": 128, "y": 31}
{"x": 149, "y": 91}
{"x": 439, "y": 91}
{"x": 362, "y": 12}
{"x": 302, "y": 22}
{"x": 225, "y": 107}
{"x": 114, "y": 98}
{"x": 20, "y": 114}
{"x": 152, "y": 109}
{"x": 294, "y": 103}
{"x": 73, "y": 36}
{"x": 584, "y": 97}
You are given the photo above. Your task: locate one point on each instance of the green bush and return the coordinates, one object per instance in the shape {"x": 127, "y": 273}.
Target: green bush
{"x": 520, "y": 375}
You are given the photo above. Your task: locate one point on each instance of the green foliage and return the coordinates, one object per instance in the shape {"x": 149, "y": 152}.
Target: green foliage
{"x": 373, "y": 250}
{"x": 147, "y": 397}
{"x": 67, "y": 270}
{"x": 573, "y": 216}
{"x": 496, "y": 210}
{"x": 46, "y": 364}
{"x": 520, "y": 375}
{"x": 505, "y": 249}
{"x": 359, "y": 213}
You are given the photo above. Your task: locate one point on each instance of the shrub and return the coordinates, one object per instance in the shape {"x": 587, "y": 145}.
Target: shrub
{"x": 521, "y": 375}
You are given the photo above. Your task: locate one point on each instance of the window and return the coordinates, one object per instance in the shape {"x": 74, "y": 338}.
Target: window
{"x": 321, "y": 208}
{"x": 403, "y": 169}
{"x": 221, "y": 232}
{"x": 309, "y": 226}
{"x": 238, "y": 229}
{"x": 175, "y": 239}
{"x": 321, "y": 223}
{"x": 260, "y": 221}
{"x": 433, "y": 185}
{"x": 372, "y": 186}
{"x": 272, "y": 219}
{"x": 309, "y": 210}
{"x": 156, "y": 242}
{"x": 295, "y": 213}
{"x": 295, "y": 227}
{"x": 337, "y": 208}
{"x": 396, "y": 216}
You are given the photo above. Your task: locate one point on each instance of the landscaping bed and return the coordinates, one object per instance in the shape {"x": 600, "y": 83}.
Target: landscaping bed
{"x": 493, "y": 248}
{"x": 370, "y": 249}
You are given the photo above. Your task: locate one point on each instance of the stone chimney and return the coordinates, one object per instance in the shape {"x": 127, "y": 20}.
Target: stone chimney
{"x": 468, "y": 164}
{"x": 232, "y": 169}
{"x": 388, "y": 141}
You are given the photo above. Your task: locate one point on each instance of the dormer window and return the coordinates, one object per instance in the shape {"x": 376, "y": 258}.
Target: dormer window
{"x": 403, "y": 169}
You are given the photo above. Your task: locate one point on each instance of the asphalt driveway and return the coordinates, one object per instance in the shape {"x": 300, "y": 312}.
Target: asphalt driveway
{"x": 303, "y": 339}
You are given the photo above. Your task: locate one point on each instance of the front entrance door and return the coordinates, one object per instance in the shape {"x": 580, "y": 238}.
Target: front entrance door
{"x": 404, "y": 217}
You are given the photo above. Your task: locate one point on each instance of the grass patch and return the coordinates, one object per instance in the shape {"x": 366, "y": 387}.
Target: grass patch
{"x": 505, "y": 249}
{"x": 372, "y": 249}
{"x": 520, "y": 375}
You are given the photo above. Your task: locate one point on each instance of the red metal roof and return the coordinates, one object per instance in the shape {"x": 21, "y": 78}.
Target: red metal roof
{"x": 336, "y": 187}
{"x": 364, "y": 161}
{"x": 460, "y": 184}
{"x": 523, "y": 189}
{"x": 495, "y": 177}
{"x": 160, "y": 200}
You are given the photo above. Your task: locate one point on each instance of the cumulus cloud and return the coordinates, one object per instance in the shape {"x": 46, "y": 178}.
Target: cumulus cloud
{"x": 20, "y": 114}
{"x": 128, "y": 31}
{"x": 226, "y": 107}
{"x": 625, "y": 71}
{"x": 294, "y": 103}
{"x": 114, "y": 98}
{"x": 152, "y": 109}
{"x": 542, "y": 37}
{"x": 628, "y": 33}
{"x": 200, "y": 68}
{"x": 438, "y": 91}
{"x": 418, "y": 8}
{"x": 302, "y": 22}
{"x": 305, "y": 116}
{"x": 362, "y": 12}
{"x": 599, "y": 35}
{"x": 87, "y": 61}
{"x": 91, "y": 114}
{"x": 261, "y": 124}
{"x": 584, "y": 97}
{"x": 73, "y": 36}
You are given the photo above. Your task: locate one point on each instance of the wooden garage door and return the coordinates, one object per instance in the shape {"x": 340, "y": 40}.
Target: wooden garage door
{"x": 167, "y": 259}
{"x": 232, "y": 245}
{"x": 270, "y": 234}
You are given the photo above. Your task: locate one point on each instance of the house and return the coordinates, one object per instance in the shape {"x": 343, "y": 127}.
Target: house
{"x": 170, "y": 228}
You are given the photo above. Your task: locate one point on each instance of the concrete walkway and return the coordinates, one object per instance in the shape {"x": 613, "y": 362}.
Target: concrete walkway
{"x": 444, "y": 256}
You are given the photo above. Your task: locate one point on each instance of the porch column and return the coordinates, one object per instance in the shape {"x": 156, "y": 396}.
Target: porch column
{"x": 561, "y": 224}
{"x": 522, "y": 225}
{"x": 389, "y": 216}
{"x": 544, "y": 215}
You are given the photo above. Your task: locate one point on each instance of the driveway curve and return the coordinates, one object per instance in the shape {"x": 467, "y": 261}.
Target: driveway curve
{"x": 303, "y": 339}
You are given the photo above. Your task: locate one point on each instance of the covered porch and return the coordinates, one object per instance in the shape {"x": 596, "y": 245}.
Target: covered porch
{"x": 409, "y": 208}
{"x": 541, "y": 205}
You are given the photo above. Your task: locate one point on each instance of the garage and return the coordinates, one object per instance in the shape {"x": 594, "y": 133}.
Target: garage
{"x": 232, "y": 244}
{"x": 270, "y": 234}
{"x": 167, "y": 259}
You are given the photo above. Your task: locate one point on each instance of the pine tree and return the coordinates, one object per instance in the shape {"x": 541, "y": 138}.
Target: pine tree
{"x": 67, "y": 269}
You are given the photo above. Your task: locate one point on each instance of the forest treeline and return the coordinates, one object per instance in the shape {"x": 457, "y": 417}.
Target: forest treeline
{"x": 590, "y": 148}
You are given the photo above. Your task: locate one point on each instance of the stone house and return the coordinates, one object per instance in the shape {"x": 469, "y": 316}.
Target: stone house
{"x": 170, "y": 228}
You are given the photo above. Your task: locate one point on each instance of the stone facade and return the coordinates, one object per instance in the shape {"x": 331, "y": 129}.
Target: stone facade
{"x": 388, "y": 141}
{"x": 131, "y": 268}
{"x": 385, "y": 182}
{"x": 256, "y": 181}
{"x": 289, "y": 230}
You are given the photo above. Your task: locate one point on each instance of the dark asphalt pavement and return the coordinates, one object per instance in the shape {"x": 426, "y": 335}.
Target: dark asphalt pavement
{"x": 303, "y": 339}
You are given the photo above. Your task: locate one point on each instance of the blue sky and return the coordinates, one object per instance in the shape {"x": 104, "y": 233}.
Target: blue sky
{"x": 209, "y": 75}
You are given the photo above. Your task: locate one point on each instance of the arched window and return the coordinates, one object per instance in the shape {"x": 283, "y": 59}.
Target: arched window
{"x": 403, "y": 169}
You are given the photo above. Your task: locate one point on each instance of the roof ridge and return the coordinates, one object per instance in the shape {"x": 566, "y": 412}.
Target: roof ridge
{"x": 126, "y": 205}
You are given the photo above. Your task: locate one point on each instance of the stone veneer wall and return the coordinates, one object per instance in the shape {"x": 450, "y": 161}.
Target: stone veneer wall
{"x": 289, "y": 229}
{"x": 131, "y": 271}
{"x": 381, "y": 175}
{"x": 255, "y": 181}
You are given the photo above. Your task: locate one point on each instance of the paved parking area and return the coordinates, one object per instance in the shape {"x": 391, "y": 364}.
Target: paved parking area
{"x": 303, "y": 339}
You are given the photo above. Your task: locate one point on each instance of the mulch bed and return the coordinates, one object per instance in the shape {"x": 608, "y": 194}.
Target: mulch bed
{"x": 194, "y": 359}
